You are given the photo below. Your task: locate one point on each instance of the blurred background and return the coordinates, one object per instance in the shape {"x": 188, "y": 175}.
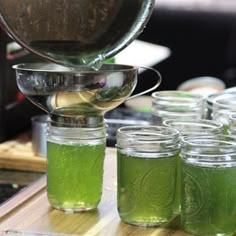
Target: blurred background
{"x": 201, "y": 35}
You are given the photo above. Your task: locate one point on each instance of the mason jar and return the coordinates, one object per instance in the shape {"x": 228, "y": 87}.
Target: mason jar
{"x": 75, "y": 157}
{"x": 147, "y": 168}
{"x": 225, "y": 95}
{"x": 176, "y": 105}
{"x": 222, "y": 109}
{"x": 194, "y": 128}
{"x": 208, "y": 185}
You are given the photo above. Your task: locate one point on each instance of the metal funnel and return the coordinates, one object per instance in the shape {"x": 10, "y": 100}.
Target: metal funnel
{"x": 82, "y": 95}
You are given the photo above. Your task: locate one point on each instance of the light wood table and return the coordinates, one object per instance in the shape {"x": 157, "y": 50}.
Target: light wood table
{"x": 29, "y": 213}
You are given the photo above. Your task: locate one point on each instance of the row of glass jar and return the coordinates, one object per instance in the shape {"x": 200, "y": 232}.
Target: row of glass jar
{"x": 159, "y": 177}
{"x": 184, "y": 105}
{"x": 207, "y": 166}
{"x": 157, "y": 174}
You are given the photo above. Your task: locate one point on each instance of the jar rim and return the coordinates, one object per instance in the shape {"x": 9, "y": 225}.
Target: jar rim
{"x": 207, "y": 124}
{"x": 204, "y": 141}
{"x": 147, "y": 132}
{"x": 148, "y": 140}
{"x": 75, "y": 135}
{"x": 209, "y": 151}
{"x": 223, "y": 103}
{"x": 222, "y": 95}
{"x": 232, "y": 117}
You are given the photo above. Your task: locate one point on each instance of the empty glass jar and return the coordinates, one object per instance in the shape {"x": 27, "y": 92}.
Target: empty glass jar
{"x": 208, "y": 185}
{"x": 176, "y": 105}
{"x": 191, "y": 128}
{"x": 225, "y": 95}
{"x": 222, "y": 109}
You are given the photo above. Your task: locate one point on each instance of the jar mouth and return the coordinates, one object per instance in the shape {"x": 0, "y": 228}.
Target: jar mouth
{"x": 147, "y": 133}
{"x": 72, "y": 131}
{"x": 218, "y": 100}
{"x": 172, "y": 95}
{"x": 205, "y": 141}
{"x": 152, "y": 141}
{"x": 199, "y": 126}
{"x": 72, "y": 135}
{"x": 232, "y": 117}
{"x": 227, "y": 103}
{"x": 208, "y": 149}
{"x": 177, "y": 104}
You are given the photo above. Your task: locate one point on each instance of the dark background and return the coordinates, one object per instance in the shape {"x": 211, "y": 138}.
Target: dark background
{"x": 202, "y": 43}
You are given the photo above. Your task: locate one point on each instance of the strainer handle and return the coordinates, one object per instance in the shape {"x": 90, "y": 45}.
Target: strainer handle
{"x": 159, "y": 79}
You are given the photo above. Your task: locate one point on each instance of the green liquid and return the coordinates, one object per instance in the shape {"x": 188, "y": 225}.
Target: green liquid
{"x": 225, "y": 129}
{"x": 110, "y": 60}
{"x": 146, "y": 189}
{"x": 208, "y": 199}
{"x": 177, "y": 207}
{"x": 74, "y": 175}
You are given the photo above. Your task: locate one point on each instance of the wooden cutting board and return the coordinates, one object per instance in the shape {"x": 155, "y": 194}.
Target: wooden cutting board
{"x": 18, "y": 154}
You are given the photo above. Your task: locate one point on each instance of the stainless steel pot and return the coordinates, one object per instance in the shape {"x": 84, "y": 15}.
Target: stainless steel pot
{"x": 75, "y": 32}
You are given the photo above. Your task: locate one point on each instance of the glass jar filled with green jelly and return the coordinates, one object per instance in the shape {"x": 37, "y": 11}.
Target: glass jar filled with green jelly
{"x": 190, "y": 128}
{"x": 147, "y": 169}
{"x": 208, "y": 201}
{"x": 75, "y": 157}
{"x": 176, "y": 105}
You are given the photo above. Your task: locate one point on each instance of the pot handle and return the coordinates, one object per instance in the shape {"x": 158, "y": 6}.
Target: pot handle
{"x": 158, "y": 82}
